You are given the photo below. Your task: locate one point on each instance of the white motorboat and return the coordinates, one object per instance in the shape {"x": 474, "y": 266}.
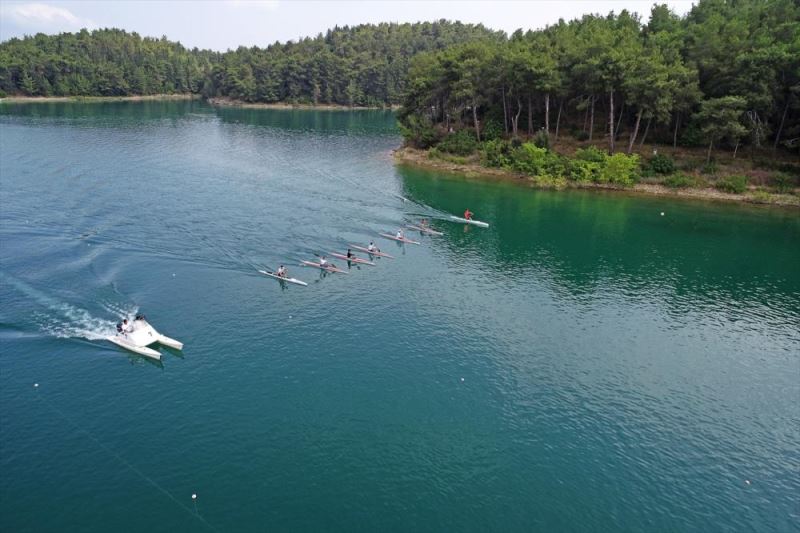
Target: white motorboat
{"x": 139, "y": 334}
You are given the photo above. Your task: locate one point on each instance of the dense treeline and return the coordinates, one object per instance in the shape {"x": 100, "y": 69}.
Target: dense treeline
{"x": 362, "y": 65}
{"x": 101, "y": 63}
{"x": 727, "y": 73}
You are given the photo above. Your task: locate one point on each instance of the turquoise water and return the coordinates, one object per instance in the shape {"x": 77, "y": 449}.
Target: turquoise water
{"x": 585, "y": 364}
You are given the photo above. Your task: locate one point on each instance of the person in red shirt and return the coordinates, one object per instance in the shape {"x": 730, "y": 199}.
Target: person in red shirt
{"x": 468, "y": 214}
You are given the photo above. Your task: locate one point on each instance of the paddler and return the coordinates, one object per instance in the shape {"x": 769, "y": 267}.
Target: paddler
{"x": 350, "y": 255}
{"x": 282, "y": 272}
{"x": 372, "y": 248}
{"x": 423, "y": 223}
{"x": 468, "y": 214}
{"x": 399, "y": 234}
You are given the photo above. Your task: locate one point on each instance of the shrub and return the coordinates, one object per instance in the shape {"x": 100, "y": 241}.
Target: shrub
{"x": 620, "y": 169}
{"x": 541, "y": 139}
{"x": 461, "y": 142}
{"x": 492, "y": 130}
{"x": 582, "y": 136}
{"x": 591, "y": 154}
{"x": 709, "y": 168}
{"x": 496, "y": 153}
{"x": 679, "y": 181}
{"x": 419, "y": 132}
{"x": 736, "y": 184}
{"x": 783, "y": 182}
{"x": 661, "y": 164}
{"x": 529, "y": 158}
{"x": 584, "y": 171}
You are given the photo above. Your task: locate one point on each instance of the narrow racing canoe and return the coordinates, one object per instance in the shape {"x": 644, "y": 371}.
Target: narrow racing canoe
{"x": 366, "y": 251}
{"x": 398, "y": 239}
{"x": 281, "y": 278}
{"x": 352, "y": 259}
{"x": 467, "y": 221}
{"x": 330, "y": 268}
{"x": 422, "y": 229}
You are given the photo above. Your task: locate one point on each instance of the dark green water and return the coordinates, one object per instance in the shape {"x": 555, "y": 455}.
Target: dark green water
{"x": 585, "y": 364}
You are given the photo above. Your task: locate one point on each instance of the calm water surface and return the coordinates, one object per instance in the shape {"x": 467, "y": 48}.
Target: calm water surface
{"x": 585, "y": 364}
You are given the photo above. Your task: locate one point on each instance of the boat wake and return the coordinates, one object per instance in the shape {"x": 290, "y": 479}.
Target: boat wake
{"x": 57, "y": 318}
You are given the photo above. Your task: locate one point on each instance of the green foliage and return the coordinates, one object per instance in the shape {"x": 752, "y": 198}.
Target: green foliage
{"x": 492, "y": 130}
{"x": 497, "y": 153}
{"x": 461, "y": 142}
{"x": 529, "y": 159}
{"x": 711, "y": 168}
{"x": 661, "y": 164}
{"x": 585, "y": 171}
{"x": 541, "y": 139}
{"x": 679, "y": 181}
{"x": 620, "y": 169}
{"x": 783, "y": 182}
{"x": 101, "y": 63}
{"x": 591, "y": 154}
{"x": 418, "y": 132}
{"x": 732, "y": 184}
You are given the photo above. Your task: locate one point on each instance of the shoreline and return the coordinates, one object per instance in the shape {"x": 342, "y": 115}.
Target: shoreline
{"x": 93, "y": 99}
{"x": 229, "y": 102}
{"x": 419, "y": 158}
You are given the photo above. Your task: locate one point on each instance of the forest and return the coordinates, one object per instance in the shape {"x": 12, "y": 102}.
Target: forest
{"x": 364, "y": 65}
{"x": 727, "y": 73}
{"x": 724, "y": 78}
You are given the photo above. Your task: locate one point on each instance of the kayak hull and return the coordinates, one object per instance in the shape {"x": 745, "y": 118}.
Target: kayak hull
{"x": 467, "y": 221}
{"x": 356, "y": 260}
{"x": 398, "y": 239}
{"x": 326, "y": 269}
{"x": 428, "y": 231}
{"x": 366, "y": 251}
{"x": 281, "y": 278}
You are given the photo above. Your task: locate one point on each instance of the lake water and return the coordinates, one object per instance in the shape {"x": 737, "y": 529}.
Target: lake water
{"x": 584, "y": 364}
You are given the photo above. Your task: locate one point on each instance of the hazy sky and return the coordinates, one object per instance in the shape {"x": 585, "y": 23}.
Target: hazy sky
{"x": 223, "y": 24}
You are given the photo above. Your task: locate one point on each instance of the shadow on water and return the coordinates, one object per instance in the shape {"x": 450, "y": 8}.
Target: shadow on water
{"x": 356, "y": 121}
{"x": 110, "y": 113}
{"x": 583, "y": 240}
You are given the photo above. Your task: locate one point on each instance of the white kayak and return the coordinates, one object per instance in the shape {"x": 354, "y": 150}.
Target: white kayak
{"x": 398, "y": 239}
{"x": 328, "y": 268}
{"x": 281, "y": 278}
{"x": 376, "y": 253}
{"x": 468, "y": 221}
{"x": 140, "y": 335}
{"x": 423, "y": 229}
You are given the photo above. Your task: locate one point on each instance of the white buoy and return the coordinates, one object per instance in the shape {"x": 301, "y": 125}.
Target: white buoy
{"x": 194, "y": 496}
{"x": 662, "y": 213}
{"x": 747, "y": 481}
{"x": 173, "y": 275}
{"x": 290, "y": 316}
{"x": 35, "y": 385}
{"x": 462, "y": 379}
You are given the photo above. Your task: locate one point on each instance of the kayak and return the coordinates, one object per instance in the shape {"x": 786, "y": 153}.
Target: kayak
{"x": 398, "y": 239}
{"x": 281, "y": 278}
{"x": 467, "y": 221}
{"x": 353, "y": 259}
{"x": 429, "y": 231}
{"x": 375, "y": 253}
{"x": 141, "y": 336}
{"x": 325, "y": 268}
